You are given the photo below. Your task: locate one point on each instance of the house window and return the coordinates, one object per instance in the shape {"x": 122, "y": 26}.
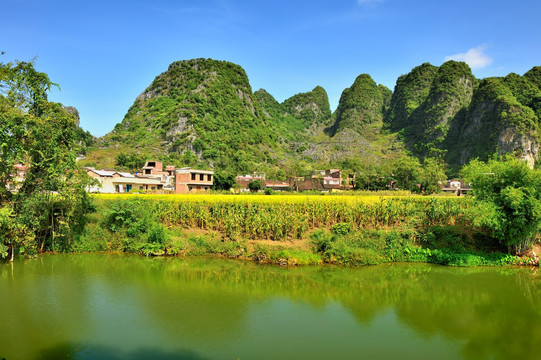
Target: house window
{"x": 147, "y": 171}
{"x": 201, "y": 177}
{"x": 193, "y": 176}
{"x": 153, "y": 188}
{"x": 209, "y": 177}
{"x": 141, "y": 187}
{"x": 189, "y": 188}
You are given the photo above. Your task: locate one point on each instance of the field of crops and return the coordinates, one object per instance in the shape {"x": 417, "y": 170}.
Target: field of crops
{"x": 280, "y": 217}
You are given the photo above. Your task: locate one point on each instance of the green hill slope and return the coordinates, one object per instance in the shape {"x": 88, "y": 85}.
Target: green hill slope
{"x": 203, "y": 113}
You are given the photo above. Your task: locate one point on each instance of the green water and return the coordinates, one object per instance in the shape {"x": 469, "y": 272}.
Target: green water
{"x": 128, "y": 307}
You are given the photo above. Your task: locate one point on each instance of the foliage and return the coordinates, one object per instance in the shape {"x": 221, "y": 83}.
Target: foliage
{"x": 508, "y": 193}
{"x": 14, "y": 234}
{"x": 131, "y": 162}
{"x": 255, "y": 185}
{"x": 406, "y": 173}
{"x": 312, "y": 107}
{"x": 223, "y": 181}
{"x": 432, "y": 175}
{"x": 361, "y": 104}
{"x": 50, "y": 199}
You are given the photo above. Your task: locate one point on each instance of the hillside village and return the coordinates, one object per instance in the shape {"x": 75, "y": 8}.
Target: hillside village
{"x": 154, "y": 178}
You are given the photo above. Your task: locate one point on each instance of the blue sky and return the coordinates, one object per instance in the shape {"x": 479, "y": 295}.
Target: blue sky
{"x": 105, "y": 53}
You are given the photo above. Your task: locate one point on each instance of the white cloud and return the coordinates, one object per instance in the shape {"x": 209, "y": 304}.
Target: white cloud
{"x": 475, "y": 57}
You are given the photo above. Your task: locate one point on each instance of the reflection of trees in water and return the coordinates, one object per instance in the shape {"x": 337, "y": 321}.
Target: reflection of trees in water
{"x": 495, "y": 312}
{"x": 68, "y": 350}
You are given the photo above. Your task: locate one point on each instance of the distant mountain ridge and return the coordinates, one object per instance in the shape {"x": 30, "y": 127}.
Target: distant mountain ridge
{"x": 202, "y": 112}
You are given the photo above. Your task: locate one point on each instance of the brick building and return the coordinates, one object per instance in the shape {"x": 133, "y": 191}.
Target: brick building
{"x": 188, "y": 180}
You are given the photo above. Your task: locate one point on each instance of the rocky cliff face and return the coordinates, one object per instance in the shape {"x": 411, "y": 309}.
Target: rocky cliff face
{"x": 526, "y": 147}
{"x": 496, "y": 122}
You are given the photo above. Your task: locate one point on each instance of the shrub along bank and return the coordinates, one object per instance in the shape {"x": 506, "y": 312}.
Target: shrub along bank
{"x": 305, "y": 230}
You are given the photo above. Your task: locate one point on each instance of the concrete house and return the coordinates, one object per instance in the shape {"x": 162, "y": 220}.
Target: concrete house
{"x": 154, "y": 169}
{"x": 188, "y": 180}
{"x": 111, "y": 181}
{"x": 456, "y": 186}
{"x": 243, "y": 181}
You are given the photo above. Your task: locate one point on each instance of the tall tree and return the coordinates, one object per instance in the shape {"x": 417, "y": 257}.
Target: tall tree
{"x": 509, "y": 196}
{"x": 38, "y": 138}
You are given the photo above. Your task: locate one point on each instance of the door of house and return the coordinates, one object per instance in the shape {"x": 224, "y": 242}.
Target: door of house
{"x": 128, "y": 188}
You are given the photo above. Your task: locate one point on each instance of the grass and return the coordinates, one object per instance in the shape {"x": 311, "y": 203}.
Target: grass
{"x": 293, "y": 229}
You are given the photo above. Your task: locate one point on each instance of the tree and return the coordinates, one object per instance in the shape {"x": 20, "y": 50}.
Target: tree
{"x": 406, "y": 171}
{"x": 131, "y": 161}
{"x": 223, "y": 181}
{"x": 49, "y": 203}
{"x": 255, "y": 185}
{"x": 508, "y": 195}
{"x": 432, "y": 174}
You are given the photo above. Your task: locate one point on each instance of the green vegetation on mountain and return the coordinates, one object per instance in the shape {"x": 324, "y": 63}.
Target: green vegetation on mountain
{"x": 410, "y": 92}
{"x": 493, "y": 109}
{"x": 199, "y": 113}
{"x": 445, "y": 112}
{"x": 360, "y": 105}
{"x": 311, "y": 107}
{"x": 203, "y": 113}
{"x": 427, "y": 125}
{"x": 534, "y": 75}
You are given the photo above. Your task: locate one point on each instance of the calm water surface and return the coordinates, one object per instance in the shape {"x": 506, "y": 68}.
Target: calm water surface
{"x": 128, "y": 307}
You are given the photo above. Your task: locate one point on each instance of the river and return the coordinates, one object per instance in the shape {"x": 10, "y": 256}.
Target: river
{"x": 108, "y": 306}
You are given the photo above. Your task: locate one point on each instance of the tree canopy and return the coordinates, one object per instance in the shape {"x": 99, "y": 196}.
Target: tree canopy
{"x": 42, "y": 194}
{"x": 509, "y": 195}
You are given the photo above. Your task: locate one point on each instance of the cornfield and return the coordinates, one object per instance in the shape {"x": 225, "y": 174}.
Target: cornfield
{"x": 280, "y": 217}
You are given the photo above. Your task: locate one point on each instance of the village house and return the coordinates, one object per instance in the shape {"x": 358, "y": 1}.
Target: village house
{"x": 322, "y": 180}
{"x": 111, "y": 181}
{"x": 276, "y": 185}
{"x": 154, "y": 169}
{"x": 456, "y": 186}
{"x": 243, "y": 181}
{"x": 188, "y": 180}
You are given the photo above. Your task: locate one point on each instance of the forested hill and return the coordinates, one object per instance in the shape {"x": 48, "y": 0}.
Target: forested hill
{"x": 203, "y": 113}
{"x": 445, "y": 111}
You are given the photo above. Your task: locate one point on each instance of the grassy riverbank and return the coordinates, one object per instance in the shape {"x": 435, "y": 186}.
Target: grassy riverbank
{"x": 294, "y": 229}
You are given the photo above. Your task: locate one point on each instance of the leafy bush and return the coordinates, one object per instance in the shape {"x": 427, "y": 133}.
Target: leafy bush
{"x": 122, "y": 214}
{"x": 341, "y": 228}
{"x": 157, "y": 235}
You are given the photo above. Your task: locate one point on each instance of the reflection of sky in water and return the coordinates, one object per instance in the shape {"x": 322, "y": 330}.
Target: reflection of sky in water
{"x": 127, "y": 307}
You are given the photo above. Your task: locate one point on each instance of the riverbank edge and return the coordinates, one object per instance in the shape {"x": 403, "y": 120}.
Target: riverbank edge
{"x": 196, "y": 242}
{"x": 419, "y": 229}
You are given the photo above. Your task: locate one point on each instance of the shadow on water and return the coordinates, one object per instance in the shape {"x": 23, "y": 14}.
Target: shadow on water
{"x": 91, "y": 352}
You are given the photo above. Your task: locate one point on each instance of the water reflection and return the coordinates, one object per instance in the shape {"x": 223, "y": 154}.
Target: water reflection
{"x": 219, "y": 308}
{"x": 90, "y": 352}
